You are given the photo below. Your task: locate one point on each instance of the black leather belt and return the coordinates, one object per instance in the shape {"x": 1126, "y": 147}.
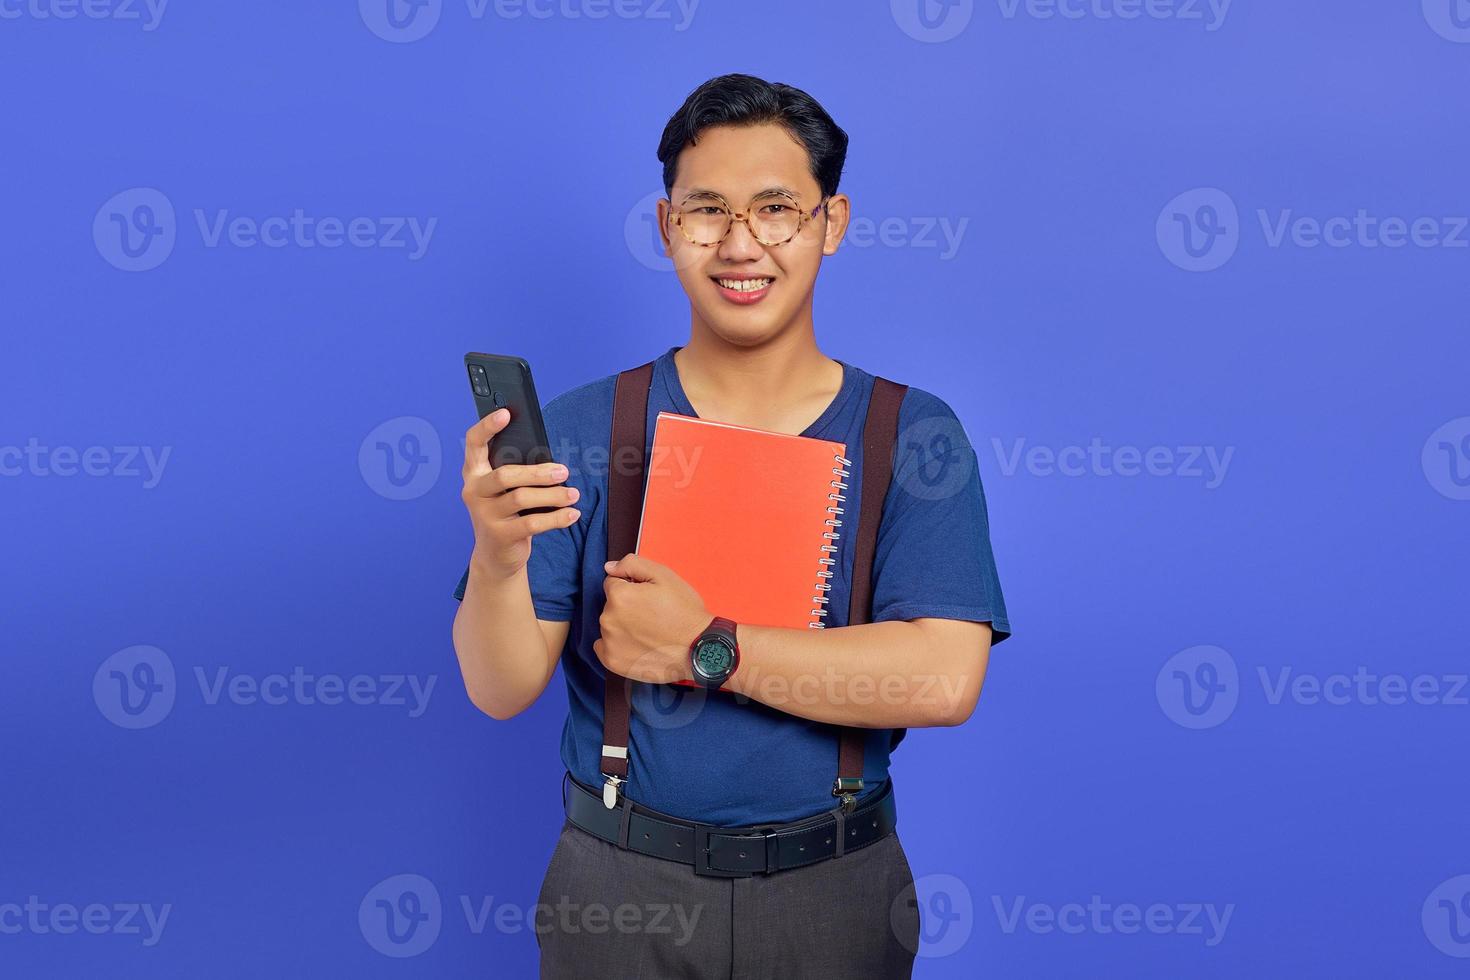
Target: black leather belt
{"x": 731, "y": 852}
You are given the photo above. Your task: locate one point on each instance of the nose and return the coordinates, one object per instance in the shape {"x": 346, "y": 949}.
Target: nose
{"x": 740, "y": 245}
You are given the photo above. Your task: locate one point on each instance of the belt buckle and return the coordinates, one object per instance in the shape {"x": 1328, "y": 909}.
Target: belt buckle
{"x": 701, "y": 853}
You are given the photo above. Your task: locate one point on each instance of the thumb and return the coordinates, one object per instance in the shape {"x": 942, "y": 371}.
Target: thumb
{"x": 634, "y": 568}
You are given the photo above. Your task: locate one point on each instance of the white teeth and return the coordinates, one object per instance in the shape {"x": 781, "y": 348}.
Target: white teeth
{"x": 745, "y": 285}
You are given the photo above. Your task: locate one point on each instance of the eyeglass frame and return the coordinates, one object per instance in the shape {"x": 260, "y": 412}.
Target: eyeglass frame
{"x": 676, "y": 216}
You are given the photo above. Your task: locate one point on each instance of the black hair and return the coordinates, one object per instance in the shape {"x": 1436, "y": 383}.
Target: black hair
{"x": 744, "y": 100}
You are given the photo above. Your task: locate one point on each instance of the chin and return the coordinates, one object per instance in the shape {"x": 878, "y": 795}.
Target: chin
{"x": 745, "y": 330}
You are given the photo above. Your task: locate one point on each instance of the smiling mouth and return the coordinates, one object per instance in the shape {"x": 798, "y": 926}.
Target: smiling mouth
{"x": 744, "y": 285}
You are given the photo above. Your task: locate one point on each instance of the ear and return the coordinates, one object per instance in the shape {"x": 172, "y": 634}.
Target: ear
{"x": 838, "y": 213}
{"x": 664, "y": 209}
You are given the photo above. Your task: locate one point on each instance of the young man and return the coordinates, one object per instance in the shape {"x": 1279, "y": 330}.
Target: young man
{"x": 664, "y": 819}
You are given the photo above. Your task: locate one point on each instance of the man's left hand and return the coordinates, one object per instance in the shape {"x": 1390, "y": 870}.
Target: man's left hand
{"x": 650, "y": 619}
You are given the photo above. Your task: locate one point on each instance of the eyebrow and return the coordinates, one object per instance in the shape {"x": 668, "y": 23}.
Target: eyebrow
{"x": 774, "y": 189}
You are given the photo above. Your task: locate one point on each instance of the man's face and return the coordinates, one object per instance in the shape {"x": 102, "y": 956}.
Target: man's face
{"x": 741, "y": 164}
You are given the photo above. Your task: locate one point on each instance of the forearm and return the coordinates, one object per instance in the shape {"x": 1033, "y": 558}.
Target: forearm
{"x": 878, "y": 675}
{"x": 501, "y": 648}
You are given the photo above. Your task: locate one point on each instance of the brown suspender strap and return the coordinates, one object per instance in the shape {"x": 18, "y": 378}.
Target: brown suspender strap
{"x": 627, "y": 452}
{"x": 880, "y": 431}
{"x": 626, "y": 455}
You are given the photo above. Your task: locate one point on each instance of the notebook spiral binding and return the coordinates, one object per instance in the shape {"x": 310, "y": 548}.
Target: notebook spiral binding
{"x": 829, "y": 540}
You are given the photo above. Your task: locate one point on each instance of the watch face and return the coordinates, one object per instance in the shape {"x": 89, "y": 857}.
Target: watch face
{"x": 713, "y": 656}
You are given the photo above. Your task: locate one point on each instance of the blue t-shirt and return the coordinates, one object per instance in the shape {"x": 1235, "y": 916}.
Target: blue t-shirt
{"x": 715, "y": 757}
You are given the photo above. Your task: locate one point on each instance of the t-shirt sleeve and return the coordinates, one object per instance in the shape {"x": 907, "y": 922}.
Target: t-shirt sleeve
{"x": 555, "y": 564}
{"x": 933, "y": 555}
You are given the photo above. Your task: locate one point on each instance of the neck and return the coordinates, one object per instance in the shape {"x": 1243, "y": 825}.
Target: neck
{"x": 782, "y": 384}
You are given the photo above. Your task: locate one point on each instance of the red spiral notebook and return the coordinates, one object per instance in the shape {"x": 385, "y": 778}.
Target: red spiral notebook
{"x": 749, "y": 518}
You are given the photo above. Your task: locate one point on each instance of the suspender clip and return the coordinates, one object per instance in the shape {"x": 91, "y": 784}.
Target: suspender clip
{"x": 846, "y": 789}
{"x": 610, "y": 791}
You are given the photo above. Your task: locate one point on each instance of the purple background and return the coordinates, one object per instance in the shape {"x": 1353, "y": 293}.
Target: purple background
{"x": 1335, "y": 541}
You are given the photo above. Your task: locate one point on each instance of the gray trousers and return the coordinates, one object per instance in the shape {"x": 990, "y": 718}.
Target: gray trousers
{"x": 620, "y": 914}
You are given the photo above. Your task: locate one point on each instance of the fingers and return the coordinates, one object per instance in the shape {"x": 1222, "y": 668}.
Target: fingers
{"x": 509, "y": 503}
{"x": 488, "y": 481}
{"x": 533, "y": 524}
{"x": 477, "y": 437}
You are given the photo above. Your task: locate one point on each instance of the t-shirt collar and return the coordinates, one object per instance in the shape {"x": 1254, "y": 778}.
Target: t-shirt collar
{"x": 675, "y": 390}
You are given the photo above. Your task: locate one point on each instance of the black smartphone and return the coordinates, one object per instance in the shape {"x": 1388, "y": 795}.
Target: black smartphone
{"x": 499, "y": 381}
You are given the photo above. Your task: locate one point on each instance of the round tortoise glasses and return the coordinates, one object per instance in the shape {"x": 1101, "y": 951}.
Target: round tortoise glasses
{"x": 773, "y": 218}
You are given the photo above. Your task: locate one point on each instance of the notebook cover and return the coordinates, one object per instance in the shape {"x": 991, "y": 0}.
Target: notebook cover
{"x": 739, "y": 513}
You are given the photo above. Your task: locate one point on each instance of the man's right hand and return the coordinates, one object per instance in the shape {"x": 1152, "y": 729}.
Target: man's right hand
{"x": 495, "y": 495}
